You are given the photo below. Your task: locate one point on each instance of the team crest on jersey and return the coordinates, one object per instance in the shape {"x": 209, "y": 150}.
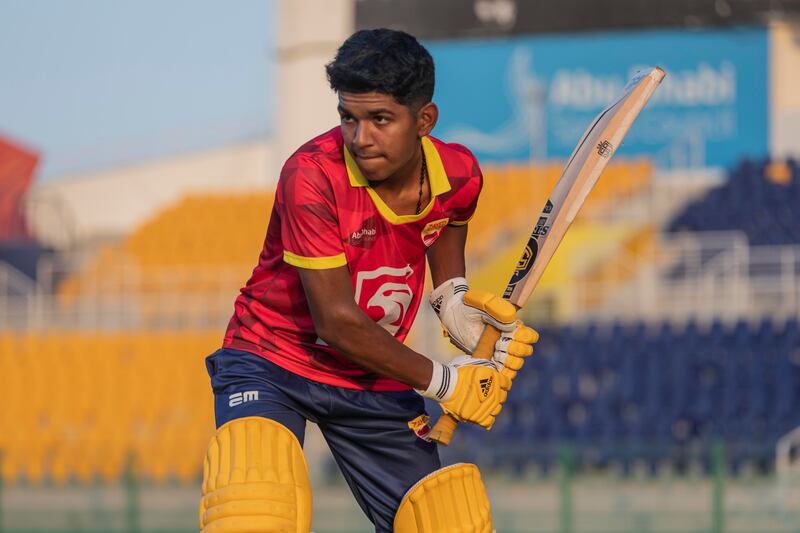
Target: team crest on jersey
{"x": 384, "y": 294}
{"x": 432, "y": 230}
{"x": 421, "y": 427}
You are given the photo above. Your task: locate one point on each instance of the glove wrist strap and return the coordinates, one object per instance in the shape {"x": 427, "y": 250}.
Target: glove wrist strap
{"x": 443, "y": 383}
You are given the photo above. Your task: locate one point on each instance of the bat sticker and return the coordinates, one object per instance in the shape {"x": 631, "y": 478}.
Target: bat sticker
{"x": 524, "y": 264}
{"x": 541, "y": 228}
{"x": 605, "y": 149}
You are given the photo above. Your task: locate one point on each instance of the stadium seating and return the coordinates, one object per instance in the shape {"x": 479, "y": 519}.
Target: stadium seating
{"x": 95, "y": 404}
{"x": 182, "y": 249}
{"x": 205, "y": 244}
{"x": 513, "y": 194}
{"x": 759, "y": 199}
{"x": 512, "y": 197}
{"x": 88, "y": 406}
{"x": 658, "y": 395}
{"x": 589, "y": 253}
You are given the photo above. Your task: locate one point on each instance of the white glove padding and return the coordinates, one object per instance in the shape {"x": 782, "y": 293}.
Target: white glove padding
{"x": 465, "y": 318}
{"x": 445, "y": 377}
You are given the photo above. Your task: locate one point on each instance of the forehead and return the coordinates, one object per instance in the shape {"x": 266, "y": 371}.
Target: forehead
{"x": 368, "y": 101}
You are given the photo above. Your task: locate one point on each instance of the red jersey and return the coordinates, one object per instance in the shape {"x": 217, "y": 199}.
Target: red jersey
{"x": 326, "y": 215}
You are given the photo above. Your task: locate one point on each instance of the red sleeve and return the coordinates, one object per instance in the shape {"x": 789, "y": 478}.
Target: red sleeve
{"x": 310, "y": 226}
{"x": 467, "y": 190}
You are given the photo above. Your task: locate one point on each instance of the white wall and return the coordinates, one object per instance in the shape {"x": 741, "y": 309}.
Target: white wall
{"x": 784, "y": 46}
{"x": 310, "y": 33}
{"x": 112, "y": 202}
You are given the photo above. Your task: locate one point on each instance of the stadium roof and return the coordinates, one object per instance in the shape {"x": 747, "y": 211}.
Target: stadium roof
{"x": 445, "y": 19}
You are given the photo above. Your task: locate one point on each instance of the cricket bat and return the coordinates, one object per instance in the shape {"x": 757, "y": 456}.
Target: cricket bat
{"x": 590, "y": 157}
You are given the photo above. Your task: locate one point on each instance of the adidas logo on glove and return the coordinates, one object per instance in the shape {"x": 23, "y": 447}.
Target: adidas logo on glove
{"x": 486, "y": 386}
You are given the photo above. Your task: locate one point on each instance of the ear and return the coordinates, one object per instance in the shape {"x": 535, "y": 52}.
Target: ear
{"x": 426, "y": 119}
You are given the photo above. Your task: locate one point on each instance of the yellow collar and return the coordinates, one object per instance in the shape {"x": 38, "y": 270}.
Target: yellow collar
{"x": 436, "y": 175}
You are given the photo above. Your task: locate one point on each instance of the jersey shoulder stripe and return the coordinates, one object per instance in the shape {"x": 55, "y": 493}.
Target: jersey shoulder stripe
{"x": 315, "y": 263}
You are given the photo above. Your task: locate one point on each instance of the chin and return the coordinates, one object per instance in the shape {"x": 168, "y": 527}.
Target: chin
{"x": 373, "y": 170}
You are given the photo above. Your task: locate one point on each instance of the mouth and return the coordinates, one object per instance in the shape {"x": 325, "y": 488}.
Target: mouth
{"x": 366, "y": 157}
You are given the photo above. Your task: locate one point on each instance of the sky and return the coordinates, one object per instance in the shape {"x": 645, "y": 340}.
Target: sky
{"x": 91, "y": 84}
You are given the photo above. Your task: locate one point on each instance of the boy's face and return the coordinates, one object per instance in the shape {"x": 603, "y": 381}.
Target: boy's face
{"x": 381, "y": 134}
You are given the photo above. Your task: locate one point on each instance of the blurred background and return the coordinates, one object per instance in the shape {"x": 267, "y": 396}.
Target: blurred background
{"x": 139, "y": 147}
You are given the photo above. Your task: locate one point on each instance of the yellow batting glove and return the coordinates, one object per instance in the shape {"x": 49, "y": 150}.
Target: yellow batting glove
{"x": 512, "y": 349}
{"x": 479, "y": 395}
{"x": 472, "y": 390}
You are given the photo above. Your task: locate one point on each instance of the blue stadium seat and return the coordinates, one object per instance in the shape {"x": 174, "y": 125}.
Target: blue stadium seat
{"x": 764, "y": 210}
{"x": 626, "y": 393}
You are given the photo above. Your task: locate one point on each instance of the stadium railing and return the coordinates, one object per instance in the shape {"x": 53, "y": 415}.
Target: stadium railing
{"x": 564, "y": 501}
{"x": 701, "y": 276}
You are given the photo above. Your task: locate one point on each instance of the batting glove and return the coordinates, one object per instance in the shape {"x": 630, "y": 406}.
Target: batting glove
{"x": 465, "y": 312}
{"x": 472, "y": 390}
{"x": 510, "y": 351}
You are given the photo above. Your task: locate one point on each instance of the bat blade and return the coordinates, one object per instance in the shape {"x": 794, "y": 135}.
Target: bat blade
{"x": 590, "y": 157}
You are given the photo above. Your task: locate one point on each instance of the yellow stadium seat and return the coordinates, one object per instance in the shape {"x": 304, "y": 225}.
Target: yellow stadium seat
{"x": 200, "y": 230}
{"x": 96, "y": 399}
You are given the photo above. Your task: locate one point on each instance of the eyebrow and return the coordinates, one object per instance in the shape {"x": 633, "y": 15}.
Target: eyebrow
{"x": 372, "y": 113}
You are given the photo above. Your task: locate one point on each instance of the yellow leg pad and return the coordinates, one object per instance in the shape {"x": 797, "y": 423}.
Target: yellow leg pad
{"x": 255, "y": 480}
{"x": 450, "y": 500}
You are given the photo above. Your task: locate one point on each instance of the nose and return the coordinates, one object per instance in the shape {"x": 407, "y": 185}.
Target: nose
{"x": 361, "y": 136}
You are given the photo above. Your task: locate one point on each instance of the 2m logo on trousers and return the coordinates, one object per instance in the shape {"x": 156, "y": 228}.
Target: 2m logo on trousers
{"x": 238, "y": 398}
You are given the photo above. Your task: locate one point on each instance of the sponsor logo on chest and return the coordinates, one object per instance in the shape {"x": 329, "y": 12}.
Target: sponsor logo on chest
{"x": 365, "y": 236}
{"x": 360, "y": 234}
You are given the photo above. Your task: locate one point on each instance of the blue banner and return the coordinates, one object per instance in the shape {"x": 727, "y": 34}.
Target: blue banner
{"x": 532, "y": 97}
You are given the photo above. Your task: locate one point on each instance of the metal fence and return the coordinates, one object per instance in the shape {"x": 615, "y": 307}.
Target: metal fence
{"x": 127, "y": 297}
{"x": 700, "y": 276}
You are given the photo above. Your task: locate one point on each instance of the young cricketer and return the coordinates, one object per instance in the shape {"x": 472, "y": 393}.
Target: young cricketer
{"x": 317, "y": 332}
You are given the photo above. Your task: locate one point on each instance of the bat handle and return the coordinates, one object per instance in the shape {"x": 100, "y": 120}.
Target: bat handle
{"x": 442, "y": 431}
{"x": 485, "y": 346}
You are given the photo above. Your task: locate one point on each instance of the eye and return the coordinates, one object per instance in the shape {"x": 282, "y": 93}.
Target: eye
{"x": 381, "y": 120}
{"x": 347, "y": 119}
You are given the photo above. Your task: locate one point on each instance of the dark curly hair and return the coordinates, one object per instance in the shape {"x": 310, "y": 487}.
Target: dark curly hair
{"x": 384, "y": 61}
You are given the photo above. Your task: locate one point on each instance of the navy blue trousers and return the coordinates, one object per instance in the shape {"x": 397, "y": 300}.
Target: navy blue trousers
{"x": 368, "y": 433}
